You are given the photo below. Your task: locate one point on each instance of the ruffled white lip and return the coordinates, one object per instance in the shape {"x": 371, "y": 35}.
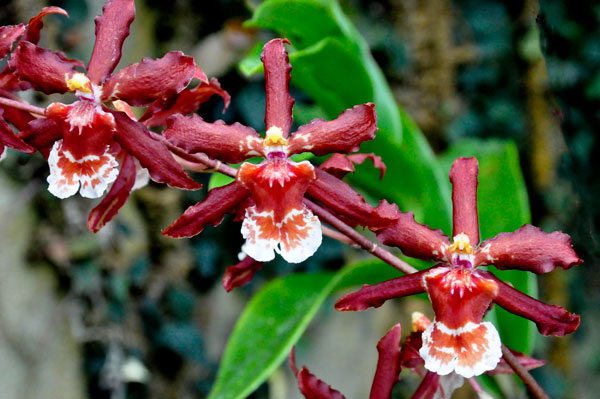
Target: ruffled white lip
{"x": 296, "y": 238}
{"x": 91, "y": 174}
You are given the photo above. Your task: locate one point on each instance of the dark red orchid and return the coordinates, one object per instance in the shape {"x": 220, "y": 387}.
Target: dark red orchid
{"x": 272, "y": 192}
{"x": 86, "y": 141}
{"x": 458, "y": 340}
{"x": 394, "y": 356}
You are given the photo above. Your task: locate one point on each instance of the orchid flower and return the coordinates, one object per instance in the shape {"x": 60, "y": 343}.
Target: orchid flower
{"x": 460, "y": 293}
{"x": 393, "y": 357}
{"x": 271, "y": 193}
{"x": 86, "y": 141}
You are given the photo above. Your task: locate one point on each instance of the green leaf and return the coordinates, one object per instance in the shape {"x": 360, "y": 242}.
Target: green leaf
{"x": 219, "y": 180}
{"x": 274, "y": 321}
{"x": 503, "y": 205}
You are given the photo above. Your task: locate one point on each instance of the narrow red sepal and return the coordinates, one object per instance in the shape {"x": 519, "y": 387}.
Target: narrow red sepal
{"x": 549, "y": 319}
{"x": 310, "y": 386}
{"x": 8, "y": 35}
{"x": 227, "y": 143}
{"x": 186, "y": 102}
{"x": 528, "y": 362}
{"x": 9, "y": 139}
{"x": 112, "y": 28}
{"x": 36, "y": 23}
{"x": 414, "y": 239}
{"x": 277, "y": 78}
{"x": 45, "y": 70}
{"x": 348, "y": 205}
{"x": 41, "y": 134}
{"x": 151, "y": 79}
{"x": 428, "y": 387}
{"x": 463, "y": 176}
{"x": 343, "y": 134}
{"x": 116, "y": 197}
{"x": 388, "y": 364}
{"x": 219, "y": 201}
{"x": 241, "y": 273}
{"x": 530, "y": 249}
{"x": 340, "y": 165}
{"x": 375, "y": 295}
{"x": 152, "y": 154}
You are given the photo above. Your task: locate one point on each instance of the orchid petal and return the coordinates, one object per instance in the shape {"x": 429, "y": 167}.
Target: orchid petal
{"x": 219, "y": 201}
{"x": 463, "y": 176}
{"x": 375, "y": 295}
{"x": 185, "y": 103}
{"x": 116, "y": 197}
{"x": 142, "y": 83}
{"x": 549, "y": 319}
{"x": 112, "y": 27}
{"x": 152, "y": 154}
{"x": 36, "y": 23}
{"x": 18, "y": 118}
{"x": 227, "y": 143}
{"x": 388, "y": 364}
{"x": 414, "y": 239}
{"x": 41, "y": 134}
{"x": 241, "y": 273}
{"x": 310, "y": 386}
{"x": 8, "y": 35}
{"x": 47, "y": 71}
{"x": 343, "y": 134}
{"x": 428, "y": 387}
{"x": 530, "y": 249}
{"x": 340, "y": 165}
{"x": 348, "y": 205}
{"x": 9, "y": 139}
{"x": 277, "y": 78}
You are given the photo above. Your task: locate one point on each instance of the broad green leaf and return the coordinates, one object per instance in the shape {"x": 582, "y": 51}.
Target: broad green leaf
{"x": 275, "y": 319}
{"x": 219, "y": 180}
{"x": 503, "y": 206}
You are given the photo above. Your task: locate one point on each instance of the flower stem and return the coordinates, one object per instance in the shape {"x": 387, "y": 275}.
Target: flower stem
{"x": 23, "y": 106}
{"x": 523, "y": 374}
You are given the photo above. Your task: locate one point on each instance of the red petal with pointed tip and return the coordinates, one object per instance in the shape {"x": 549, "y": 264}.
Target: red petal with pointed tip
{"x": 219, "y": 201}
{"x": 530, "y": 249}
{"x": 343, "y": 134}
{"x": 227, "y": 143}
{"x": 241, "y": 273}
{"x": 16, "y": 117}
{"x": 310, "y": 386}
{"x": 340, "y": 165}
{"x": 142, "y": 83}
{"x": 277, "y": 78}
{"x": 36, "y": 23}
{"x": 185, "y": 103}
{"x": 41, "y": 134}
{"x": 375, "y": 295}
{"x": 428, "y": 387}
{"x": 463, "y": 176}
{"x": 9, "y": 139}
{"x": 116, "y": 197}
{"x": 112, "y": 27}
{"x": 348, "y": 205}
{"x": 549, "y": 319}
{"x": 388, "y": 364}
{"x": 528, "y": 362}
{"x": 8, "y": 35}
{"x": 414, "y": 239}
{"x": 153, "y": 155}
{"x": 47, "y": 71}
